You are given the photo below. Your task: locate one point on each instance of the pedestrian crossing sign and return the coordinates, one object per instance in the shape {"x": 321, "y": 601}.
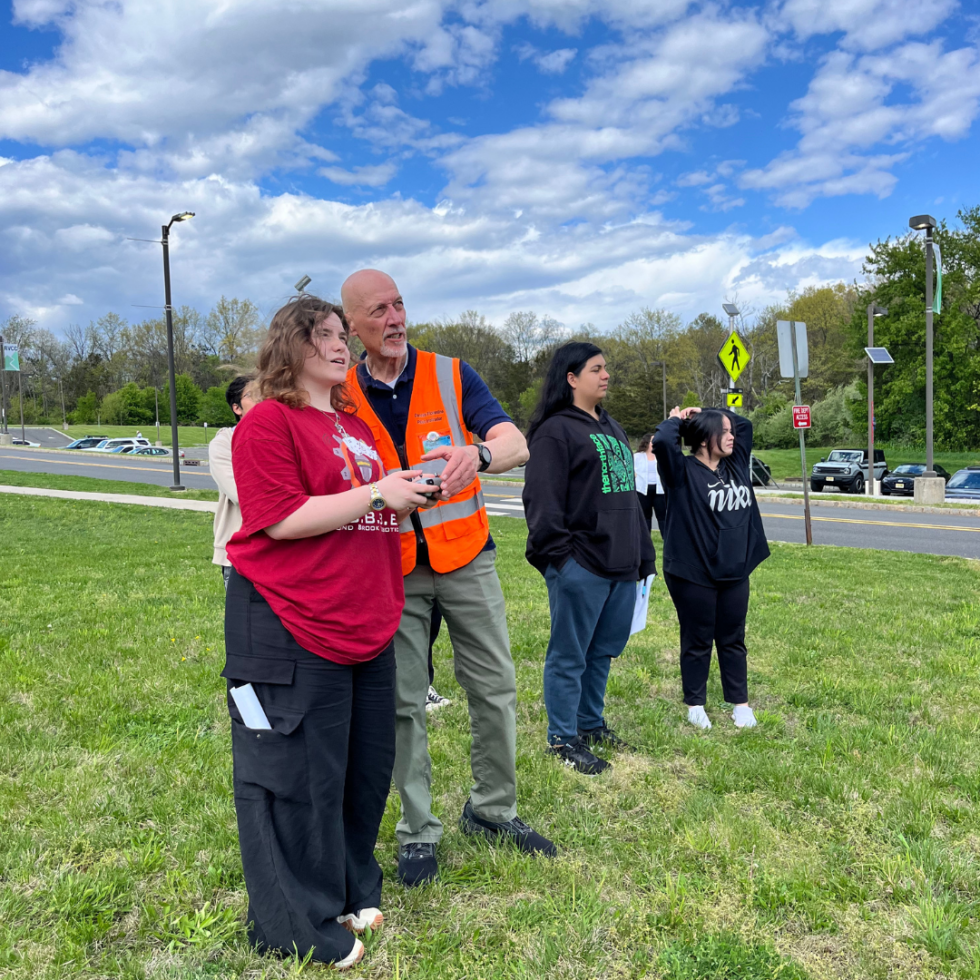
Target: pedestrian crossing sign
{"x": 734, "y": 356}
{"x": 733, "y": 399}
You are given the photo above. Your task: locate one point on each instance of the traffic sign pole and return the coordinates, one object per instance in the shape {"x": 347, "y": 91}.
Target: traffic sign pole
{"x": 799, "y": 401}
{"x": 3, "y": 389}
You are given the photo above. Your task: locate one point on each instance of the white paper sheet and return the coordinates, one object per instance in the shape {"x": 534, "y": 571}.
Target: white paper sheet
{"x": 642, "y": 604}
{"x": 248, "y": 705}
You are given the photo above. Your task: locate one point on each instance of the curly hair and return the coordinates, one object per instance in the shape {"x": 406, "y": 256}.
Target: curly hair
{"x": 286, "y": 347}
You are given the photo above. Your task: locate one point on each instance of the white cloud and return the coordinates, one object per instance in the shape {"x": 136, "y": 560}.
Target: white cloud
{"x": 549, "y": 62}
{"x": 375, "y": 176}
{"x": 866, "y": 24}
{"x": 858, "y": 108}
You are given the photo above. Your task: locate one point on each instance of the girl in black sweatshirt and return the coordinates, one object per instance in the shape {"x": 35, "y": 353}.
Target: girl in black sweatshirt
{"x": 714, "y": 539}
{"x": 588, "y": 537}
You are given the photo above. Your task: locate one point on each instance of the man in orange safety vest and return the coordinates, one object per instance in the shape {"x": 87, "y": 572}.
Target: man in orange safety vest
{"x": 434, "y": 413}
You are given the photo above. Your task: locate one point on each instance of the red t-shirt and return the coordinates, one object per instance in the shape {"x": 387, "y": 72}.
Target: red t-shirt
{"x": 339, "y": 594}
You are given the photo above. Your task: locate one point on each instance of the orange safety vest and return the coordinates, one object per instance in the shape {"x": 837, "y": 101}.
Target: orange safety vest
{"x": 456, "y": 530}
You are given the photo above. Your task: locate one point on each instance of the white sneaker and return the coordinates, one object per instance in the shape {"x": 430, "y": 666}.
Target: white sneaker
{"x": 696, "y": 716}
{"x": 362, "y": 920}
{"x": 434, "y": 700}
{"x": 352, "y": 958}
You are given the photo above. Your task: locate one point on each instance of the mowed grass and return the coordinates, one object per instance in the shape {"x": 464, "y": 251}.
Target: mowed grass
{"x": 839, "y": 839}
{"x": 88, "y": 484}
{"x": 187, "y": 435}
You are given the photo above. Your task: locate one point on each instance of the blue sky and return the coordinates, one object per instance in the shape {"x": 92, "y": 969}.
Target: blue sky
{"x": 579, "y": 158}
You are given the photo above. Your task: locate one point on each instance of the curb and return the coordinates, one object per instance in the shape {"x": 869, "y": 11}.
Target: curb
{"x": 76, "y": 453}
{"x": 865, "y": 505}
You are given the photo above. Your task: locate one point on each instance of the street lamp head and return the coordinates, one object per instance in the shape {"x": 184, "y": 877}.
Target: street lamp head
{"x": 730, "y": 308}
{"x": 183, "y": 216}
{"x": 302, "y": 284}
{"x": 879, "y": 311}
{"x": 922, "y": 222}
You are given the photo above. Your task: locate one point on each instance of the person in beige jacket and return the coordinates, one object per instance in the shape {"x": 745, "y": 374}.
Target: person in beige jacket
{"x": 227, "y": 518}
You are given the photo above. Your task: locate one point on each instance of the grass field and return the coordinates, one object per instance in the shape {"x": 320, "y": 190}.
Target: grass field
{"x": 840, "y": 839}
{"x": 89, "y": 484}
{"x": 786, "y": 462}
{"x": 187, "y": 435}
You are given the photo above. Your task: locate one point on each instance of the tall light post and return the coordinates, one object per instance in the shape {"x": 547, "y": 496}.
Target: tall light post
{"x": 927, "y": 223}
{"x": 5, "y": 440}
{"x": 663, "y": 365}
{"x": 165, "y": 236}
{"x": 873, "y": 311}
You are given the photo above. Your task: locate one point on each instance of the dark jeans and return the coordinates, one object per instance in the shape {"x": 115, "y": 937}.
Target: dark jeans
{"x": 590, "y": 624}
{"x": 310, "y": 794}
{"x": 709, "y": 615}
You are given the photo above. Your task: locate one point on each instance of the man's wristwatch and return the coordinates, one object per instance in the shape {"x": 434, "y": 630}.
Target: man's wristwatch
{"x": 378, "y": 502}
{"x": 486, "y": 457}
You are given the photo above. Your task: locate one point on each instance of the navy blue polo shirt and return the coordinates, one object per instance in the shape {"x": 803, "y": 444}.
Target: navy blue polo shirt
{"x": 481, "y": 411}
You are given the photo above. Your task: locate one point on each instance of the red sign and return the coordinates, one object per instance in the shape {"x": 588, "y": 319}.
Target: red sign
{"x": 801, "y": 416}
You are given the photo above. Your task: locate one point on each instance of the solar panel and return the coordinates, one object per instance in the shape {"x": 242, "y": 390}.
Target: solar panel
{"x": 879, "y": 355}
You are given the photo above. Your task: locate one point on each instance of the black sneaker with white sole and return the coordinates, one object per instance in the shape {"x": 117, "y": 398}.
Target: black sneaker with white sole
{"x": 515, "y": 831}
{"x": 575, "y": 754}
{"x": 417, "y": 864}
{"x": 603, "y": 737}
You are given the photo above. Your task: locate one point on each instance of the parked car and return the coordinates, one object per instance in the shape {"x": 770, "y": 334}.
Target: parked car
{"x": 122, "y": 449}
{"x": 846, "y": 469}
{"x": 26, "y": 442}
{"x": 761, "y": 474}
{"x": 109, "y": 445}
{"x": 86, "y": 442}
{"x": 901, "y": 480}
{"x": 964, "y": 484}
{"x": 154, "y": 451}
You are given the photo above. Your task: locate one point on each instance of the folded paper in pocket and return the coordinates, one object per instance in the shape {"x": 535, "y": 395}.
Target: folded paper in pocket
{"x": 249, "y": 707}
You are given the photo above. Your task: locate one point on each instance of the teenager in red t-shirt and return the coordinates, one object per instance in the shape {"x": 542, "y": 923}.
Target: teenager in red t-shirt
{"x": 313, "y": 602}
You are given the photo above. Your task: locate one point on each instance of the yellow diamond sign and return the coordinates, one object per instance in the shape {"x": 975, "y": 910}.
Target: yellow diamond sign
{"x": 733, "y": 399}
{"x": 734, "y": 356}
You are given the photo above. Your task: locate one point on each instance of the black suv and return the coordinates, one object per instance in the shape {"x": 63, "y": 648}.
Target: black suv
{"x": 846, "y": 469}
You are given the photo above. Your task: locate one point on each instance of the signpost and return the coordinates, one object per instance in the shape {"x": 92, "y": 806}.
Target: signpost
{"x": 791, "y": 334}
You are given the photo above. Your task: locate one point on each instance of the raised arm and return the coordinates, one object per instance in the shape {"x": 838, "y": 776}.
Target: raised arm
{"x": 667, "y": 449}
{"x": 742, "y": 428}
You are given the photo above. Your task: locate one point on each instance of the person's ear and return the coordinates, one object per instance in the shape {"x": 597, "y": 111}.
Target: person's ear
{"x": 572, "y": 379}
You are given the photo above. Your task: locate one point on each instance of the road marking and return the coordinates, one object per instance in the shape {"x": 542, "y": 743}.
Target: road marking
{"x": 78, "y": 462}
{"x": 853, "y": 520}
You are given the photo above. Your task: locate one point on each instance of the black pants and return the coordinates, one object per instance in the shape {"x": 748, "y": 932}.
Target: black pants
{"x": 653, "y": 503}
{"x": 709, "y": 615}
{"x": 310, "y": 794}
{"x": 434, "y": 626}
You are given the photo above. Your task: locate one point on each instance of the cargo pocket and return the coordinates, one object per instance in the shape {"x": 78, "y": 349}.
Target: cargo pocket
{"x": 271, "y": 762}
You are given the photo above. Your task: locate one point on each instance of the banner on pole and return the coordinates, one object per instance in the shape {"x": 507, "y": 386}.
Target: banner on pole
{"x": 11, "y": 357}
{"x": 937, "y": 296}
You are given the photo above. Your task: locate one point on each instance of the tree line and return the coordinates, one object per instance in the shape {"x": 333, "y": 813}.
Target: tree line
{"x": 114, "y": 371}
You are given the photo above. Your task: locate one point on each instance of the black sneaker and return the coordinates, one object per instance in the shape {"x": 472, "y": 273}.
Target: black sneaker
{"x": 515, "y": 831}
{"x": 576, "y": 754}
{"x": 603, "y": 737}
{"x": 417, "y": 864}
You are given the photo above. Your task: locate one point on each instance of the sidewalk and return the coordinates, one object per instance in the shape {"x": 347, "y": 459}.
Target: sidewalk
{"x": 116, "y": 498}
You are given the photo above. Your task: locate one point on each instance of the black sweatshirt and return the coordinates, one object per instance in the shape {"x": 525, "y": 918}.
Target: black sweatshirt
{"x": 714, "y": 532}
{"x": 580, "y": 498}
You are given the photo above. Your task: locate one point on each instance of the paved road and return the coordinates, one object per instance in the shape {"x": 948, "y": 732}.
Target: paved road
{"x": 103, "y": 467}
{"x": 935, "y": 534}
{"x": 49, "y": 438}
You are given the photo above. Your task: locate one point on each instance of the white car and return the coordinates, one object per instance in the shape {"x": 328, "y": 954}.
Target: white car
{"x": 154, "y": 451}
{"x": 109, "y": 445}
{"x": 26, "y": 442}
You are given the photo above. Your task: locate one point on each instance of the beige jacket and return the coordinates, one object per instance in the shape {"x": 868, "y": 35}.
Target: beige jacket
{"x": 227, "y": 518}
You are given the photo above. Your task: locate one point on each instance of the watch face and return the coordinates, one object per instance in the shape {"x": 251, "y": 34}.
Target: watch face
{"x": 378, "y": 503}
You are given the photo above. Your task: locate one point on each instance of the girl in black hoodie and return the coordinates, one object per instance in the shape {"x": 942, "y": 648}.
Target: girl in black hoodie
{"x": 588, "y": 537}
{"x": 714, "y": 539}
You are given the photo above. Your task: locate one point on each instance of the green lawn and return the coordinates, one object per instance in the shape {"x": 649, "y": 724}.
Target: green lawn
{"x": 840, "y": 839}
{"x": 56, "y": 481}
{"x": 187, "y": 435}
{"x": 786, "y": 462}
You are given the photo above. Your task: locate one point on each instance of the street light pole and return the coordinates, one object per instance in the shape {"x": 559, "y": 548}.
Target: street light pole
{"x": 156, "y": 402}
{"x": 873, "y": 311}
{"x": 663, "y": 364}
{"x": 927, "y": 223}
{"x": 183, "y": 216}
{"x": 3, "y": 389}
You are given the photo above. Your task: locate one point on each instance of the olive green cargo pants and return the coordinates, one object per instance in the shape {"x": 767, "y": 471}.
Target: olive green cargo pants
{"x": 472, "y": 606}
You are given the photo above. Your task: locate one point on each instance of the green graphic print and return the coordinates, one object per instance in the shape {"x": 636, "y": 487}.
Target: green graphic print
{"x": 617, "y": 464}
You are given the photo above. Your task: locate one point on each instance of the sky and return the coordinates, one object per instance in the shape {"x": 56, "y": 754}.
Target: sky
{"x": 583, "y": 159}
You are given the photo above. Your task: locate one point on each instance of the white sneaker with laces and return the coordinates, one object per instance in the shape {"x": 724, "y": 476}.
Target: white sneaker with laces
{"x": 352, "y": 958}
{"x": 361, "y": 920}
{"x": 434, "y": 700}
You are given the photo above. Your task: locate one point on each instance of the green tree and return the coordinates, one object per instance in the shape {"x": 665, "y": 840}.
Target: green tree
{"x": 214, "y": 408}
{"x": 188, "y": 399}
{"x": 86, "y": 410}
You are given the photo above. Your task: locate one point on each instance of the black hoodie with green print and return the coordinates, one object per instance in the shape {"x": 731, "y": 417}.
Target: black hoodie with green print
{"x": 580, "y": 498}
